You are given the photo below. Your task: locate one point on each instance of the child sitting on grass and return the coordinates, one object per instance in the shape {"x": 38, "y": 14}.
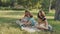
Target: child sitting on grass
{"x": 27, "y": 20}
{"x": 42, "y": 22}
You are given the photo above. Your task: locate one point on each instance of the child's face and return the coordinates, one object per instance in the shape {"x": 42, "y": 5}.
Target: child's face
{"x": 27, "y": 14}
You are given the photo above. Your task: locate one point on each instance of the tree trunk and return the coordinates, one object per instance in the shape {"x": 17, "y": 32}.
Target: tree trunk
{"x": 50, "y": 5}
{"x": 0, "y": 2}
{"x": 57, "y": 13}
{"x": 12, "y": 3}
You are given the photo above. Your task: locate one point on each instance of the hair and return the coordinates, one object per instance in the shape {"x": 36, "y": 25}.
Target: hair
{"x": 29, "y": 13}
{"x": 42, "y": 14}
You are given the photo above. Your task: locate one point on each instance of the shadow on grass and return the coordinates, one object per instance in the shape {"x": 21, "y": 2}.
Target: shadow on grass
{"x": 55, "y": 24}
{"x": 8, "y": 22}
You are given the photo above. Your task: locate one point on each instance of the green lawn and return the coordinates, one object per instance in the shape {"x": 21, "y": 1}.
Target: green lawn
{"x": 8, "y": 25}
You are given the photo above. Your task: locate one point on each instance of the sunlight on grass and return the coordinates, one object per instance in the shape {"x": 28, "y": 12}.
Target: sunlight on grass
{"x": 8, "y": 25}
{"x": 52, "y": 11}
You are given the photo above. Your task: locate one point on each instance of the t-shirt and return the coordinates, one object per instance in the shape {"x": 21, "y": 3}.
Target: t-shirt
{"x": 33, "y": 21}
{"x": 25, "y": 19}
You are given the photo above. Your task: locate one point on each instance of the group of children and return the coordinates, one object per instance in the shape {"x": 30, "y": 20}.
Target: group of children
{"x": 29, "y": 21}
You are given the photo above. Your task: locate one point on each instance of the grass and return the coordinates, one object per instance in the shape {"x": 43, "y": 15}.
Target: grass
{"x": 8, "y": 25}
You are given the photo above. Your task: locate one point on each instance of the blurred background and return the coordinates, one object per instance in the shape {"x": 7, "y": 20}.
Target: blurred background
{"x": 11, "y": 10}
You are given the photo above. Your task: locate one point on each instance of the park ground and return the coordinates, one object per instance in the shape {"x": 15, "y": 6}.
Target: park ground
{"x": 8, "y": 25}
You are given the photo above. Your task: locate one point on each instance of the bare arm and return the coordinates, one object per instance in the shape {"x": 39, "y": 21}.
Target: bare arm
{"x": 27, "y": 23}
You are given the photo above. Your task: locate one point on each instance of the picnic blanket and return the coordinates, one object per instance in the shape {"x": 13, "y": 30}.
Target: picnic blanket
{"x": 31, "y": 29}
{"x": 28, "y": 29}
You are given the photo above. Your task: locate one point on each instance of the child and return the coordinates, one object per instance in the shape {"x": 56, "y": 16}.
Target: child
{"x": 42, "y": 21}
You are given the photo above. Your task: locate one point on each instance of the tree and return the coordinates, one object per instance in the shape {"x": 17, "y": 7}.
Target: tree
{"x": 12, "y": 3}
{"x": 0, "y": 2}
{"x": 57, "y": 13}
{"x": 46, "y": 5}
{"x": 53, "y": 4}
{"x": 5, "y": 3}
{"x": 50, "y": 5}
{"x": 29, "y": 3}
